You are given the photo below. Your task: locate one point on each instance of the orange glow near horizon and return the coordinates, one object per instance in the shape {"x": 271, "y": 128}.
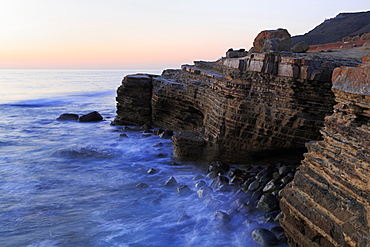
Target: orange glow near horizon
{"x": 147, "y": 34}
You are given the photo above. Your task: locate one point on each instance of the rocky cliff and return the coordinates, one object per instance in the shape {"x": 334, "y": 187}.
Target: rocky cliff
{"x": 327, "y": 204}
{"x": 262, "y": 105}
{"x": 235, "y": 108}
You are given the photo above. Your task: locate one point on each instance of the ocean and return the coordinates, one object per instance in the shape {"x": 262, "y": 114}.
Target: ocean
{"x": 67, "y": 183}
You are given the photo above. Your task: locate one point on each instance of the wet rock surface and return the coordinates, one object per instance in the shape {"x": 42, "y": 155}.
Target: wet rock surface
{"x": 236, "y": 202}
{"x": 91, "y": 117}
{"x": 240, "y": 195}
{"x": 67, "y": 116}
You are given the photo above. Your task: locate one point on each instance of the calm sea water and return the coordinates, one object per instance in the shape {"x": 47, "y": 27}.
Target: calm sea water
{"x": 65, "y": 183}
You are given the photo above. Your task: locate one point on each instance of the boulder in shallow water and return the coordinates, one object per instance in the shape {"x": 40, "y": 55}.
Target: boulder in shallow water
{"x": 183, "y": 190}
{"x": 91, "y": 117}
{"x": 142, "y": 186}
{"x": 170, "y": 182}
{"x": 200, "y": 184}
{"x": 268, "y": 202}
{"x": 204, "y": 192}
{"x": 219, "y": 181}
{"x": 67, "y": 116}
{"x": 219, "y": 167}
{"x": 151, "y": 171}
{"x": 264, "y": 237}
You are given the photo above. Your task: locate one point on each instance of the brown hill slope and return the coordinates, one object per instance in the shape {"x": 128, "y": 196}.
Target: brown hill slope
{"x": 334, "y": 29}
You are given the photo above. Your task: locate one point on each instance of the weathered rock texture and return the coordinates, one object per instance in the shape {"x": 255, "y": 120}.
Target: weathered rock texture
{"x": 235, "y": 108}
{"x": 134, "y": 100}
{"x": 327, "y": 204}
{"x": 272, "y": 40}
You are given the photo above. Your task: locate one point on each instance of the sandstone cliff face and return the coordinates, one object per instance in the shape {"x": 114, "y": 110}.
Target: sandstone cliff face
{"x": 327, "y": 204}
{"x": 234, "y": 108}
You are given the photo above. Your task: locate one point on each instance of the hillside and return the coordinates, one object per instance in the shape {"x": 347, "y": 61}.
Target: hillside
{"x": 334, "y": 29}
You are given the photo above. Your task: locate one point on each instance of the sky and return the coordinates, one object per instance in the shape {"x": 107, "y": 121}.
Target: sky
{"x": 146, "y": 34}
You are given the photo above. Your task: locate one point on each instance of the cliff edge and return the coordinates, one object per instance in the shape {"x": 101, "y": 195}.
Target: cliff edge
{"x": 235, "y": 109}
{"x": 328, "y": 202}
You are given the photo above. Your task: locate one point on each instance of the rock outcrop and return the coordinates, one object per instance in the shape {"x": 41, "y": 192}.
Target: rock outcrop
{"x": 272, "y": 40}
{"x": 134, "y": 100}
{"x": 235, "y": 108}
{"x": 328, "y": 202}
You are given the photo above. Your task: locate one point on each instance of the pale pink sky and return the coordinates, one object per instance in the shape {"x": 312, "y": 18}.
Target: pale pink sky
{"x": 145, "y": 34}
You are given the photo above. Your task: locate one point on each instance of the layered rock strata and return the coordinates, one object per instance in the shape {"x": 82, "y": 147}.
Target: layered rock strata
{"x": 328, "y": 202}
{"x": 235, "y": 108}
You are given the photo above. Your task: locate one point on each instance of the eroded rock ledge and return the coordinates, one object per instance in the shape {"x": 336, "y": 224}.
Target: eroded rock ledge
{"x": 328, "y": 202}
{"x": 234, "y": 109}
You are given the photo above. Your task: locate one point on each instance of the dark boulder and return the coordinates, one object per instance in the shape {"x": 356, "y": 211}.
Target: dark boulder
{"x": 183, "y": 190}
{"x": 204, "y": 192}
{"x": 264, "y": 237}
{"x": 268, "y": 203}
{"x": 67, "y": 116}
{"x": 219, "y": 167}
{"x": 219, "y": 181}
{"x": 200, "y": 184}
{"x": 91, "y": 117}
{"x": 142, "y": 186}
{"x": 151, "y": 171}
{"x": 170, "y": 182}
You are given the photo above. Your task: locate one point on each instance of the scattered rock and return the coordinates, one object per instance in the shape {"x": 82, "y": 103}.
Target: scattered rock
{"x": 197, "y": 177}
{"x": 300, "y": 47}
{"x": 142, "y": 186}
{"x": 212, "y": 175}
{"x": 254, "y": 185}
{"x": 219, "y": 167}
{"x": 268, "y": 202}
{"x": 183, "y": 190}
{"x": 219, "y": 181}
{"x": 270, "y": 186}
{"x": 91, "y": 117}
{"x": 67, "y": 116}
{"x": 151, "y": 171}
{"x": 204, "y": 192}
{"x": 222, "y": 217}
{"x": 123, "y": 135}
{"x": 171, "y": 182}
{"x": 264, "y": 237}
{"x": 200, "y": 184}
{"x": 245, "y": 208}
{"x": 284, "y": 170}
{"x": 161, "y": 155}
